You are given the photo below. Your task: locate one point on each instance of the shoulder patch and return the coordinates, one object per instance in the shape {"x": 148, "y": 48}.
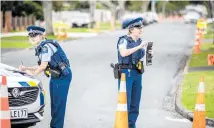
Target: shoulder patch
{"x": 122, "y": 40}
{"x": 45, "y": 49}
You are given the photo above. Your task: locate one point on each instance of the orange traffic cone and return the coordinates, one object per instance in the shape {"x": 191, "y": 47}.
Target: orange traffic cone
{"x": 210, "y": 59}
{"x": 199, "y": 113}
{"x": 121, "y": 120}
{"x": 197, "y": 49}
{"x": 198, "y": 37}
{"x": 4, "y": 109}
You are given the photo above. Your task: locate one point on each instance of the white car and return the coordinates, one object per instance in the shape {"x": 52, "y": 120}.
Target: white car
{"x": 191, "y": 17}
{"x": 26, "y": 96}
{"x": 150, "y": 17}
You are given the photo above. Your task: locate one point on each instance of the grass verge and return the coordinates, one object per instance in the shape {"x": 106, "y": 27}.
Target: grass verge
{"x": 19, "y": 41}
{"x": 200, "y": 59}
{"x": 190, "y": 88}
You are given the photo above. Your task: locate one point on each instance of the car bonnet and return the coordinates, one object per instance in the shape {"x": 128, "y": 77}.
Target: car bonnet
{"x": 16, "y": 78}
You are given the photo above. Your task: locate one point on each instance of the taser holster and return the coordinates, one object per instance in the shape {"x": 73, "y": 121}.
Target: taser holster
{"x": 117, "y": 70}
{"x": 140, "y": 67}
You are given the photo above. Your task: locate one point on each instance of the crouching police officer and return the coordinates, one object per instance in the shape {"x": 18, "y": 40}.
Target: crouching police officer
{"x": 53, "y": 61}
{"x": 131, "y": 51}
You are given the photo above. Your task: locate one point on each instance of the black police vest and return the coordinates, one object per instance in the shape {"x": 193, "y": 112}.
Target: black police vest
{"x": 135, "y": 57}
{"x": 57, "y": 58}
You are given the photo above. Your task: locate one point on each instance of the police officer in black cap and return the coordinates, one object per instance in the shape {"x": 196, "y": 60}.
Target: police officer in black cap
{"x": 53, "y": 61}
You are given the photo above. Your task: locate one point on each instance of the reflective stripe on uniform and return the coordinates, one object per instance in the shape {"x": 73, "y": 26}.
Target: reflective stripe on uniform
{"x": 200, "y": 107}
{"x": 122, "y": 107}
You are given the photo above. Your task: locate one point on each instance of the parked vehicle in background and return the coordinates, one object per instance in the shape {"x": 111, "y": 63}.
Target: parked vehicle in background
{"x": 150, "y": 17}
{"x": 155, "y": 16}
{"x": 80, "y": 20}
{"x": 73, "y": 18}
{"x": 191, "y": 17}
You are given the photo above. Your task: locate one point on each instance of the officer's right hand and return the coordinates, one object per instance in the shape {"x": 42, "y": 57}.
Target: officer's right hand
{"x": 143, "y": 44}
{"x": 22, "y": 68}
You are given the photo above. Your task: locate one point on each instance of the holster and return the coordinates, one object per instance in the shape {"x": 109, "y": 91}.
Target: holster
{"x": 140, "y": 67}
{"x": 47, "y": 72}
{"x": 55, "y": 73}
{"x": 64, "y": 68}
{"x": 117, "y": 70}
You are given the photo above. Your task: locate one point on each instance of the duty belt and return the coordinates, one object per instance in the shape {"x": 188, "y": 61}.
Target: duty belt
{"x": 127, "y": 66}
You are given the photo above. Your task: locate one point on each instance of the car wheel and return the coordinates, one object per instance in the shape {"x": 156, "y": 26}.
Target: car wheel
{"x": 85, "y": 25}
{"x": 74, "y": 25}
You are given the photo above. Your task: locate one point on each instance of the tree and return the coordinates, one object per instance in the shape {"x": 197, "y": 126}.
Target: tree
{"x": 92, "y": 12}
{"x": 47, "y": 8}
{"x": 23, "y": 8}
{"x": 171, "y": 6}
{"x": 135, "y": 5}
{"x": 145, "y": 5}
{"x": 57, "y": 5}
{"x": 34, "y": 8}
{"x": 121, "y": 7}
{"x": 112, "y": 7}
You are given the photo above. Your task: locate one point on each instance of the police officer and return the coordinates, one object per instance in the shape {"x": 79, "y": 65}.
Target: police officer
{"x": 53, "y": 61}
{"x": 131, "y": 51}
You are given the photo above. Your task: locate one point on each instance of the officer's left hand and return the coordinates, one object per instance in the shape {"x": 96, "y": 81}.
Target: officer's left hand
{"x": 22, "y": 68}
{"x": 29, "y": 72}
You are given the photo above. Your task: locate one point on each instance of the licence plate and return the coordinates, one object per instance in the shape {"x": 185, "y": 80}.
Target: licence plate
{"x": 18, "y": 113}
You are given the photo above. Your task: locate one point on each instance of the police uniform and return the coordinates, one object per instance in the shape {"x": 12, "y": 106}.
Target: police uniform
{"x": 133, "y": 76}
{"x": 61, "y": 75}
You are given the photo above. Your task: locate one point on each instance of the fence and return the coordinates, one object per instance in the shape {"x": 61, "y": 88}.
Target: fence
{"x": 9, "y": 23}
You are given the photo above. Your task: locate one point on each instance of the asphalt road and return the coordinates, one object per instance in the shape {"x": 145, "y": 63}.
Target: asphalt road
{"x": 92, "y": 96}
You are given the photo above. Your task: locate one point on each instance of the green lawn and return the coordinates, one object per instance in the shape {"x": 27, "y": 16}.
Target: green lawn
{"x": 107, "y": 25}
{"x": 200, "y": 59}
{"x": 210, "y": 31}
{"x": 15, "y": 42}
{"x": 103, "y": 26}
{"x": 18, "y": 41}
{"x": 208, "y": 35}
{"x": 189, "y": 91}
{"x": 78, "y": 30}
